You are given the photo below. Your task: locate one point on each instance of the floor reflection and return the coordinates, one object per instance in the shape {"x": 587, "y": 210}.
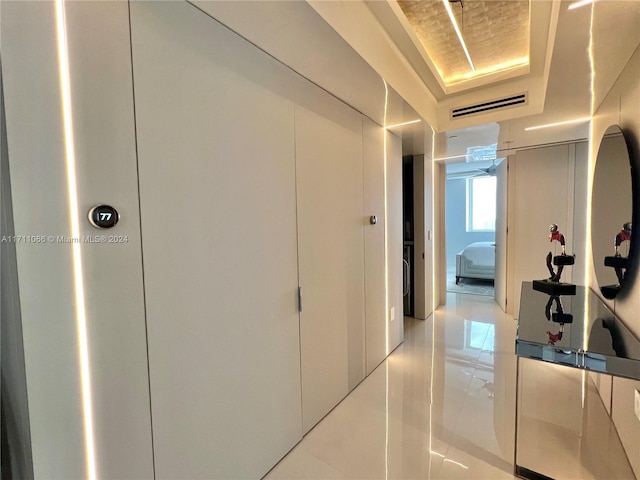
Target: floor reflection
{"x": 441, "y": 406}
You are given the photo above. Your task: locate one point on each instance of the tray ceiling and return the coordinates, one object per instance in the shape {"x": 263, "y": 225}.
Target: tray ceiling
{"x": 495, "y": 32}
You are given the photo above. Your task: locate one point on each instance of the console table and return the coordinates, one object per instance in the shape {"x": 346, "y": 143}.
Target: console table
{"x": 577, "y": 331}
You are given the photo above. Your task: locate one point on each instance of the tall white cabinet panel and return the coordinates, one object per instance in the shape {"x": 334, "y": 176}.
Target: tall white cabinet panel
{"x": 331, "y": 254}
{"x": 375, "y": 292}
{"x": 218, "y": 209}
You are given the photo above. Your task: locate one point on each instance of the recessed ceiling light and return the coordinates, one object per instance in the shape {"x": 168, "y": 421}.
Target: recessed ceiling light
{"x": 558, "y": 124}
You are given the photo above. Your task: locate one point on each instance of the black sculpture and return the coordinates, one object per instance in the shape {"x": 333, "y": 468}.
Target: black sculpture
{"x": 553, "y": 285}
{"x": 617, "y": 262}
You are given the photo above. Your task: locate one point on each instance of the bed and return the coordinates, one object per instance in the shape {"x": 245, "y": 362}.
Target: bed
{"x": 477, "y": 260}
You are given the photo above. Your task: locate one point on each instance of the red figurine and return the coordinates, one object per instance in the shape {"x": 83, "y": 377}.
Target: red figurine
{"x": 623, "y": 236}
{"x": 554, "y": 337}
{"x": 556, "y": 235}
{"x": 553, "y": 285}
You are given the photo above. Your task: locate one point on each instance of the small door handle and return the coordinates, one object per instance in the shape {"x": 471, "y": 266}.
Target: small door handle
{"x": 407, "y": 277}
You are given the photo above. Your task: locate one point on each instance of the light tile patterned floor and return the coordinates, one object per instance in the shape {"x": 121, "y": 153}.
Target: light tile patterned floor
{"x": 442, "y": 406}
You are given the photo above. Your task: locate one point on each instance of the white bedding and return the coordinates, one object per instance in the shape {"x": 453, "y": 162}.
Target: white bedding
{"x": 481, "y": 254}
{"x": 476, "y": 260}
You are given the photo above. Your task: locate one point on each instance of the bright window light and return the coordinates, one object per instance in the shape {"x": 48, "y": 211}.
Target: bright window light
{"x": 481, "y": 204}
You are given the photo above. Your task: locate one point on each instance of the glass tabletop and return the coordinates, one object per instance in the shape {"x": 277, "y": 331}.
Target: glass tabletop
{"x": 577, "y": 331}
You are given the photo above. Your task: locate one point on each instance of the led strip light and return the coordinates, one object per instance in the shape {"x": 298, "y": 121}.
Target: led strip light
{"x": 81, "y": 318}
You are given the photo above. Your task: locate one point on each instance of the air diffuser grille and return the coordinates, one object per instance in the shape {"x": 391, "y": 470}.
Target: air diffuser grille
{"x": 520, "y": 99}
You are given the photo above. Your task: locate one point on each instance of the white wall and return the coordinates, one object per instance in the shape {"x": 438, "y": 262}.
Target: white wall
{"x": 439, "y": 243}
{"x": 419, "y": 237}
{"x": 541, "y": 192}
{"x": 394, "y": 239}
{"x": 101, "y": 397}
{"x": 117, "y": 319}
{"x": 622, "y": 106}
{"x": 329, "y": 186}
{"x": 219, "y": 244}
{"x": 15, "y": 414}
{"x": 430, "y": 230}
{"x": 374, "y": 243}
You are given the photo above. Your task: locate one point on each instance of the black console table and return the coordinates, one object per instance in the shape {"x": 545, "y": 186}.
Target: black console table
{"x": 577, "y": 331}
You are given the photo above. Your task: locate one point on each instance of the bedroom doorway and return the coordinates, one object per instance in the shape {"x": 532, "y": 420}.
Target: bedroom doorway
{"x": 470, "y": 223}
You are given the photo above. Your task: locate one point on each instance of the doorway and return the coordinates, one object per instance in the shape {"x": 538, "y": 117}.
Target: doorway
{"x": 408, "y": 228}
{"x": 470, "y": 223}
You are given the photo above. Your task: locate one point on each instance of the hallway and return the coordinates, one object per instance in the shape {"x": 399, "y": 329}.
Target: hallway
{"x": 440, "y": 406}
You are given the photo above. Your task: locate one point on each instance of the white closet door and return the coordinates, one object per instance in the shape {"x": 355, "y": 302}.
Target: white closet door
{"x": 331, "y": 254}
{"x": 217, "y": 194}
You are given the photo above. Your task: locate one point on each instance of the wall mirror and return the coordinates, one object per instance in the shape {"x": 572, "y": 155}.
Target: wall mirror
{"x": 611, "y": 213}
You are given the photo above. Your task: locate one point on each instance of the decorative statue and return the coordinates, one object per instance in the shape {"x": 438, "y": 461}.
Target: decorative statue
{"x": 553, "y": 285}
{"x": 617, "y": 262}
{"x": 556, "y": 235}
{"x": 558, "y": 316}
{"x": 555, "y": 337}
{"x": 623, "y": 236}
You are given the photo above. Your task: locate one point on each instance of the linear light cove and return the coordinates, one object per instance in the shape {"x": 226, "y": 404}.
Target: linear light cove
{"x": 559, "y": 124}
{"x": 447, "y": 6}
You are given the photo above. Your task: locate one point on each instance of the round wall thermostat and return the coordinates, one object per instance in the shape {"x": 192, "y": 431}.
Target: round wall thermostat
{"x": 103, "y": 216}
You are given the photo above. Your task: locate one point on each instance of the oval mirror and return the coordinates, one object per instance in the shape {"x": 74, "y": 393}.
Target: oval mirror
{"x": 611, "y": 213}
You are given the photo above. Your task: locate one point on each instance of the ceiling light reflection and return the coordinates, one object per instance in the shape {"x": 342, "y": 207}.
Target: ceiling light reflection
{"x": 456, "y": 463}
{"x": 579, "y": 4}
{"x": 465, "y": 155}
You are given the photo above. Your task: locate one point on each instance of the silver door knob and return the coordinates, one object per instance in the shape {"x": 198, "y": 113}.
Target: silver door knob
{"x": 373, "y": 219}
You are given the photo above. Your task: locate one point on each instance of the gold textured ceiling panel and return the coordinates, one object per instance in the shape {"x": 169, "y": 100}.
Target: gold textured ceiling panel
{"x": 496, "y": 33}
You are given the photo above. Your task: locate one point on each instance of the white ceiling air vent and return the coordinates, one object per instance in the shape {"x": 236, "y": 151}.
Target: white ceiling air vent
{"x": 488, "y": 106}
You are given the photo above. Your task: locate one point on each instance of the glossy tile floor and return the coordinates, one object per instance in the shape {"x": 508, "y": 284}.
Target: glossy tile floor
{"x": 442, "y": 406}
